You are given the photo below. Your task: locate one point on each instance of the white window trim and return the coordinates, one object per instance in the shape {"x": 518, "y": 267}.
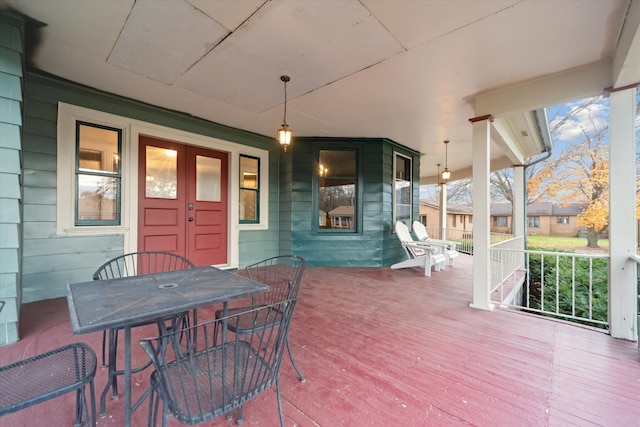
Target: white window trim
{"x": 396, "y": 153}
{"x": 69, "y": 114}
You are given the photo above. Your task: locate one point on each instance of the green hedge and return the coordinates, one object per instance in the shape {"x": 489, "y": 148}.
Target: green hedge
{"x": 570, "y": 289}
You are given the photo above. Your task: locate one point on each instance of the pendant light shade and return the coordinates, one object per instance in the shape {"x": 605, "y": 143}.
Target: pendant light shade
{"x": 446, "y": 173}
{"x": 284, "y": 133}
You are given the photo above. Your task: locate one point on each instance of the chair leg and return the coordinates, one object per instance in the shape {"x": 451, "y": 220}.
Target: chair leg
{"x": 280, "y": 411}
{"x": 92, "y": 397}
{"x": 112, "y": 379}
{"x": 240, "y": 419}
{"x": 80, "y": 407}
{"x": 293, "y": 362}
{"x": 104, "y": 348}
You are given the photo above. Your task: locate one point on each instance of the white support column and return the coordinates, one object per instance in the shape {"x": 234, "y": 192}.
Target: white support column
{"x": 443, "y": 210}
{"x": 481, "y": 213}
{"x": 622, "y": 218}
{"x": 519, "y": 212}
{"x": 518, "y": 219}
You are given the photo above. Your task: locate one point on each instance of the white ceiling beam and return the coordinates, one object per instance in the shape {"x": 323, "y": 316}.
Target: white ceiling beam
{"x": 566, "y": 86}
{"x": 626, "y": 59}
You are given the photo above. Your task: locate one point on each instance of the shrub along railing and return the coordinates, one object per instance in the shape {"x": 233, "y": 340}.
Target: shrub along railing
{"x": 561, "y": 285}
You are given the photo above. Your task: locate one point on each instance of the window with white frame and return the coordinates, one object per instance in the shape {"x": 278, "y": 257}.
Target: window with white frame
{"x": 97, "y": 182}
{"x": 249, "y": 190}
{"x": 98, "y": 174}
{"x": 403, "y": 183}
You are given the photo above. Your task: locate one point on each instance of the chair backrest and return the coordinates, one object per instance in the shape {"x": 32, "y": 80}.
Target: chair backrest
{"x": 420, "y": 231}
{"x": 404, "y": 235}
{"x": 138, "y": 263}
{"x": 202, "y": 372}
{"x": 282, "y": 274}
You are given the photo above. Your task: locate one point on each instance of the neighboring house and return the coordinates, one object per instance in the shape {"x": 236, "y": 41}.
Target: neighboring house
{"x": 459, "y": 217}
{"x": 544, "y": 219}
{"x": 342, "y": 217}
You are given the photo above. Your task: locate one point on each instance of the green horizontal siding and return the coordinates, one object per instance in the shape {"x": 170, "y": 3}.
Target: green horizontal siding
{"x": 51, "y": 261}
{"x": 374, "y": 244}
{"x": 11, "y": 120}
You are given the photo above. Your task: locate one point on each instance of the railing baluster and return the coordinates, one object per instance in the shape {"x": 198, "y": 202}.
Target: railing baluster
{"x": 505, "y": 265}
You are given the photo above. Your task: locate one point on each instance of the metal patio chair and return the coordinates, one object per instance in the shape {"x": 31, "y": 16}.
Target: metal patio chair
{"x": 48, "y": 375}
{"x": 135, "y": 264}
{"x": 201, "y": 374}
{"x": 283, "y": 274}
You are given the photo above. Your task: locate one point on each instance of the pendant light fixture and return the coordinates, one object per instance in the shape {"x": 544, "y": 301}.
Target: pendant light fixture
{"x": 284, "y": 133}
{"x": 446, "y": 173}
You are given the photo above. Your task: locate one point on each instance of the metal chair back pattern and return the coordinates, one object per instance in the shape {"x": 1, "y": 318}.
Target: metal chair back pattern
{"x": 136, "y": 264}
{"x": 201, "y": 374}
{"x": 283, "y": 275}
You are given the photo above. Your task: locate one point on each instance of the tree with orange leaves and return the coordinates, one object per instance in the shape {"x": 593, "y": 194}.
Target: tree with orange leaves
{"x": 581, "y": 170}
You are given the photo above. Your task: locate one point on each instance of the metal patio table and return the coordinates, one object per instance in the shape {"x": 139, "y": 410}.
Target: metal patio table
{"x": 123, "y": 302}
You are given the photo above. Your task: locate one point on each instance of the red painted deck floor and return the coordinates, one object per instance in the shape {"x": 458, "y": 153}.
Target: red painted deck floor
{"x": 382, "y": 347}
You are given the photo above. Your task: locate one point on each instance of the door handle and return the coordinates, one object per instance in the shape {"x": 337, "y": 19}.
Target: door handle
{"x": 190, "y": 219}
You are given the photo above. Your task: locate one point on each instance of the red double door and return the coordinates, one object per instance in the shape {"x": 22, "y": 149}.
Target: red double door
{"x": 182, "y": 201}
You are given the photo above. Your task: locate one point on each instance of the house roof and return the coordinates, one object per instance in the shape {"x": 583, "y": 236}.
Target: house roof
{"x": 414, "y": 72}
{"x": 342, "y": 211}
{"x": 539, "y": 209}
{"x": 451, "y": 208}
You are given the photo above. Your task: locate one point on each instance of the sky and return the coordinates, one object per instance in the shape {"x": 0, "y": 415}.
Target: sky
{"x": 569, "y": 132}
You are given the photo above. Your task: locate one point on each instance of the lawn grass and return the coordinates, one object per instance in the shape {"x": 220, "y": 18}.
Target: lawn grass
{"x": 562, "y": 242}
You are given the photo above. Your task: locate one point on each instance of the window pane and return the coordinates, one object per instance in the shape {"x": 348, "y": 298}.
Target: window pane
{"x": 97, "y": 198}
{"x": 208, "y": 171}
{"x": 162, "y": 173}
{"x": 403, "y": 213}
{"x": 248, "y": 172}
{"x": 249, "y": 189}
{"x": 337, "y": 179}
{"x": 402, "y": 189}
{"x": 403, "y": 192}
{"x": 248, "y": 204}
{"x": 338, "y": 202}
{"x": 338, "y": 163}
{"x": 98, "y": 149}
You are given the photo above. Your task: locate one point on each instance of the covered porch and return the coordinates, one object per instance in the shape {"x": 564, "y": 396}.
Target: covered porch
{"x": 392, "y": 347}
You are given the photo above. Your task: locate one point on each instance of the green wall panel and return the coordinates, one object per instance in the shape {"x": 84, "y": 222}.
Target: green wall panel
{"x": 79, "y": 256}
{"x": 11, "y": 120}
{"x": 373, "y": 244}
{"x": 10, "y": 136}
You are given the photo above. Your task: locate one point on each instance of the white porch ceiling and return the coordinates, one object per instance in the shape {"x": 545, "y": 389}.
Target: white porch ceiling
{"x": 409, "y": 71}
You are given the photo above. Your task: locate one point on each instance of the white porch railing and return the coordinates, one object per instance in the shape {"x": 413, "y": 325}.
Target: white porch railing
{"x": 507, "y": 270}
{"x": 465, "y": 238}
{"x": 563, "y": 285}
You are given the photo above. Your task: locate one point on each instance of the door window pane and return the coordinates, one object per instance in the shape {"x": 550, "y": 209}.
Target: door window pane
{"x": 337, "y": 189}
{"x": 208, "y": 170}
{"x": 162, "y": 173}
